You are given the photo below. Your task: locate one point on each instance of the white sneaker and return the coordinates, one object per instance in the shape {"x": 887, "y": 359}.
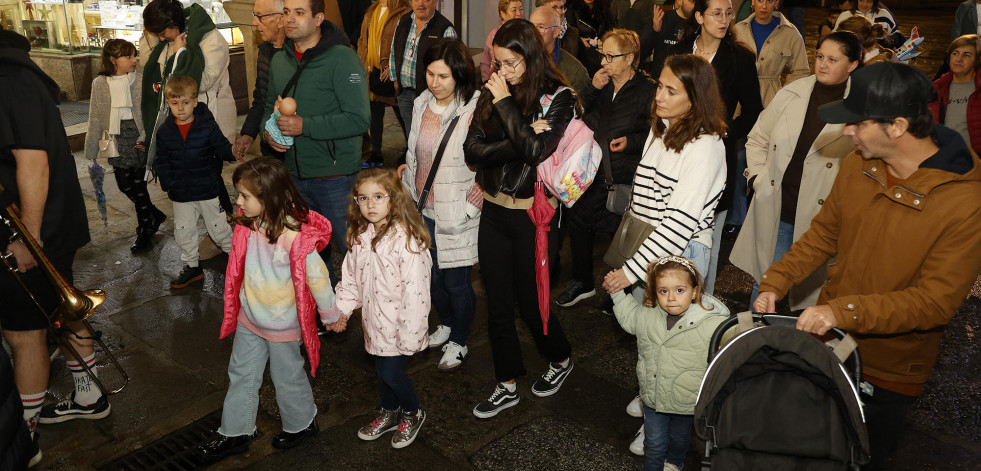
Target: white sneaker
{"x": 635, "y": 409}
{"x": 637, "y": 446}
{"x": 453, "y": 356}
{"x": 670, "y": 467}
{"x": 439, "y": 336}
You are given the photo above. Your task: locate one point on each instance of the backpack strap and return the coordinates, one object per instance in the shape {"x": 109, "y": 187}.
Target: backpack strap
{"x": 546, "y": 100}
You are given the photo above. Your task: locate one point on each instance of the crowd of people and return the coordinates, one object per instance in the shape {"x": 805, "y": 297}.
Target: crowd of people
{"x": 708, "y": 123}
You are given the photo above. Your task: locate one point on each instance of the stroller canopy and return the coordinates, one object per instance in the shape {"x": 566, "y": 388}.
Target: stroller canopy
{"x": 778, "y": 398}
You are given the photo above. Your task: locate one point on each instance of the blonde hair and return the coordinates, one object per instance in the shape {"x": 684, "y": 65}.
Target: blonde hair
{"x": 181, "y": 86}
{"x": 627, "y": 41}
{"x": 669, "y": 263}
{"x": 401, "y": 210}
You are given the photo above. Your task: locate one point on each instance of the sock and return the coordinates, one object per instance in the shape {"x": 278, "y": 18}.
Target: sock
{"x": 510, "y": 387}
{"x": 86, "y": 392}
{"x": 564, "y": 364}
{"x": 32, "y": 407}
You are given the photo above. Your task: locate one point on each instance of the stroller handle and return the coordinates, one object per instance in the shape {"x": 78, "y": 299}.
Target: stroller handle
{"x": 781, "y": 321}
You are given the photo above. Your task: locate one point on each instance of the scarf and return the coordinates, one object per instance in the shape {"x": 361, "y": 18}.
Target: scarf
{"x": 119, "y": 99}
{"x": 375, "y": 30}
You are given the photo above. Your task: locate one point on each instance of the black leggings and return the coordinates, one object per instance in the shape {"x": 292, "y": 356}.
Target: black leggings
{"x": 378, "y": 124}
{"x": 131, "y": 182}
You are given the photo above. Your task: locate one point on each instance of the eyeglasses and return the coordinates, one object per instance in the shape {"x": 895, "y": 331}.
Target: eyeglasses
{"x": 610, "y": 57}
{"x": 722, "y": 15}
{"x": 559, "y": 8}
{"x": 543, "y": 28}
{"x": 363, "y": 200}
{"x": 262, "y": 17}
{"x": 512, "y": 67}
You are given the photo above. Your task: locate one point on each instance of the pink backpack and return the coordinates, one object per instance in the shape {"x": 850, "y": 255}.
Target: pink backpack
{"x": 571, "y": 169}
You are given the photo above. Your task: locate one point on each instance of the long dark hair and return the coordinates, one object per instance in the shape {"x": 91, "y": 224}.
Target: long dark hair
{"x": 707, "y": 114}
{"x": 282, "y": 206}
{"x": 115, "y": 48}
{"x": 457, "y": 57}
{"x": 693, "y": 29}
{"x": 162, "y": 14}
{"x": 540, "y": 77}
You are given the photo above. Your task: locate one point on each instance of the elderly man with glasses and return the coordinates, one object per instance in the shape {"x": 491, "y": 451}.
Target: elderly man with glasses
{"x": 267, "y": 17}
{"x": 548, "y": 22}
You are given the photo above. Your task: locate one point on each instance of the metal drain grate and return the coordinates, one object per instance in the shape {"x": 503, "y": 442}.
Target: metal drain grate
{"x": 73, "y": 112}
{"x": 176, "y": 451}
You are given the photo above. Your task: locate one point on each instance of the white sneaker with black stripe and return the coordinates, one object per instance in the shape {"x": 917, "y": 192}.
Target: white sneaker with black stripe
{"x": 453, "y": 355}
{"x": 499, "y": 400}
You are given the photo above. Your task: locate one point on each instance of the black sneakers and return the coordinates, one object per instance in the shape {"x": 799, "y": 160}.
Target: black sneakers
{"x": 36, "y": 454}
{"x": 284, "y": 440}
{"x": 223, "y": 447}
{"x": 188, "y": 275}
{"x": 499, "y": 400}
{"x": 69, "y": 409}
{"x": 577, "y": 291}
{"x": 551, "y": 381}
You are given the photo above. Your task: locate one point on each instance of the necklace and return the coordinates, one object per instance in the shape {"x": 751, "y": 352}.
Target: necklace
{"x": 702, "y": 50}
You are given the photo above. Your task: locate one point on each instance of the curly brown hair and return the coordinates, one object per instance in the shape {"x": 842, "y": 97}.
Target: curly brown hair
{"x": 401, "y": 211}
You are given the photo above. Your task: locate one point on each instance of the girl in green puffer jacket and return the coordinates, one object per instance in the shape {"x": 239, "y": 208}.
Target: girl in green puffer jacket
{"x": 673, "y": 327}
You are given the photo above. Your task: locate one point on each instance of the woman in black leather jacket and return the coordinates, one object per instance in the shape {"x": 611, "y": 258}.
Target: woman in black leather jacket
{"x": 508, "y": 138}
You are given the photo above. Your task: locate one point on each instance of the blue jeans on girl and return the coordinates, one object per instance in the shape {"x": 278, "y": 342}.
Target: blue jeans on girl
{"x": 666, "y": 439}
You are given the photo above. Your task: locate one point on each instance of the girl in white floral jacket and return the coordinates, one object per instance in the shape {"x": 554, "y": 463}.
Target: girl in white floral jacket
{"x": 386, "y": 273}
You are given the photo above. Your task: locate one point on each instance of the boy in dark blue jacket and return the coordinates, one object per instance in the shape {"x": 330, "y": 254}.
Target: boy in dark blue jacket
{"x": 190, "y": 146}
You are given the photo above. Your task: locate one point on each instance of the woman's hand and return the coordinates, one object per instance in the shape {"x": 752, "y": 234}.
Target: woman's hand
{"x": 498, "y": 87}
{"x": 615, "y": 280}
{"x": 618, "y": 144}
{"x": 540, "y": 126}
{"x": 383, "y": 75}
{"x": 601, "y": 78}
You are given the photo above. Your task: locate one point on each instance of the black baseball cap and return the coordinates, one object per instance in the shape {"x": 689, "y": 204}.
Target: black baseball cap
{"x": 885, "y": 90}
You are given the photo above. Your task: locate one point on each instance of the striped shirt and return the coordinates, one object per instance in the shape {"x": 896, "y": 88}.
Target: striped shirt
{"x": 411, "y": 55}
{"x": 677, "y": 194}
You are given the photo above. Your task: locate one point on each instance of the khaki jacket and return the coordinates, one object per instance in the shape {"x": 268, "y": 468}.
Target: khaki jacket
{"x": 783, "y": 58}
{"x": 769, "y": 149}
{"x": 907, "y": 256}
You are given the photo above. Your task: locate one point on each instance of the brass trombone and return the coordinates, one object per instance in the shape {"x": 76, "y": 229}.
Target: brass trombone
{"x": 75, "y": 305}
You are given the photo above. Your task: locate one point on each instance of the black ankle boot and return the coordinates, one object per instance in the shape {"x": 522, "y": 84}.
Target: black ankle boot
{"x": 143, "y": 242}
{"x": 223, "y": 447}
{"x": 286, "y": 439}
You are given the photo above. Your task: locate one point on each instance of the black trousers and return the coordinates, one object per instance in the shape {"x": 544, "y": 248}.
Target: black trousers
{"x": 585, "y": 218}
{"x": 378, "y": 124}
{"x": 885, "y": 417}
{"x": 506, "y": 249}
{"x": 132, "y": 184}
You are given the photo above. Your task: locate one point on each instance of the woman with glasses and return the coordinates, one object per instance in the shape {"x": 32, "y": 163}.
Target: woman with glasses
{"x": 792, "y": 160}
{"x": 617, "y": 108}
{"x": 507, "y": 10}
{"x": 374, "y": 49}
{"x": 452, "y": 208}
{"x": 708, "y": 35}
{"x": 508, "y": 138}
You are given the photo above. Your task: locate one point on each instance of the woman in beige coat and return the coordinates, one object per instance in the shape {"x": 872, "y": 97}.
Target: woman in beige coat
{"x": 792, "y": 161}
{"x": 782, "y": 59}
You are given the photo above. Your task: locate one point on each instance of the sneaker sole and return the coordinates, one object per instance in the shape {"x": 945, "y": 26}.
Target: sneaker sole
{"x": 65, "y": 418}
{"x": 409, "y": 441}
{"x": 192, "y": 280}
{"x": 487, "y": 415}
{"x": 35, "y": 459}
{"x": 371, "y": 438}
{"x": 557, "y": 386}
{"x": 446, "y": 368}
{"x": 585, "y": 295}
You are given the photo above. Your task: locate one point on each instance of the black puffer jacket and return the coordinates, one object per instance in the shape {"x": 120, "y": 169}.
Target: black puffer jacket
{"x": 505, "y": 150}
{"x": 188, "y": 168}
{"x": 628, "y": 114}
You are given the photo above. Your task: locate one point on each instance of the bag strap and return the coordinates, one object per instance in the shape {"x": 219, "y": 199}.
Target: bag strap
{"x": 546, "y": 106}
{"x": 439, "y": 156}
{"x": 291, "y": 84}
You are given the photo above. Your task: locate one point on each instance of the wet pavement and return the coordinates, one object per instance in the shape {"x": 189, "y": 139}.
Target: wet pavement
{"x": 168, "y": 342}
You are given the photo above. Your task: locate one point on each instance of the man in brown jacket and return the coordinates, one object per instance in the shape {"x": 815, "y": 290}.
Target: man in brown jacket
{"x": 903, "y": 221}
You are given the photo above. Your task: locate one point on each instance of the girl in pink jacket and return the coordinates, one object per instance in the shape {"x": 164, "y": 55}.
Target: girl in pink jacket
{"x": 386, "y": 273}
{"x": 274, "y": 284}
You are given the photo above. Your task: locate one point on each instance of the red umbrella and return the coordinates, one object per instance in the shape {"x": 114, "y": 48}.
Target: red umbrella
{"x": 541, "y": 213}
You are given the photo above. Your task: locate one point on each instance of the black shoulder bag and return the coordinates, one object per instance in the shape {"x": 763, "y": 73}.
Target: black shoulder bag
{"x": 432, "y": 172}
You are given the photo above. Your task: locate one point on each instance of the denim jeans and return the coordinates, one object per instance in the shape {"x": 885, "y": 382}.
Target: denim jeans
{"x": 245, "y": 368}
{"x": 796, "y": 17}
{"x": 405, "y": 100}
{"x": 713, "y": 266}
{"x": 785, "y": 238}
{"x": 737, "y": 210}
{"x": 452, "y": 294}
{"x": 330, "y": 197}
{"x": 666, "y": 439}
{"x": 394, "y": 386}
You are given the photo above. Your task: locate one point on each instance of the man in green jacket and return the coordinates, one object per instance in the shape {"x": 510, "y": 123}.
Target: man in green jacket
{"x": 318, "y": 68}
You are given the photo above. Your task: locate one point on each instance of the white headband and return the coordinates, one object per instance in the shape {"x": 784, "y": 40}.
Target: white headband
{"x": 675, "y": 258}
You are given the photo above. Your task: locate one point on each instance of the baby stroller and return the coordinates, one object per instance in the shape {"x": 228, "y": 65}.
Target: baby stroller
{"x": 776, "y": 398}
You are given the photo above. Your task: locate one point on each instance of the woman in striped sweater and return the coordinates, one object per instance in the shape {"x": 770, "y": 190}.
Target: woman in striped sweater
{"x": 682, "y": 172}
